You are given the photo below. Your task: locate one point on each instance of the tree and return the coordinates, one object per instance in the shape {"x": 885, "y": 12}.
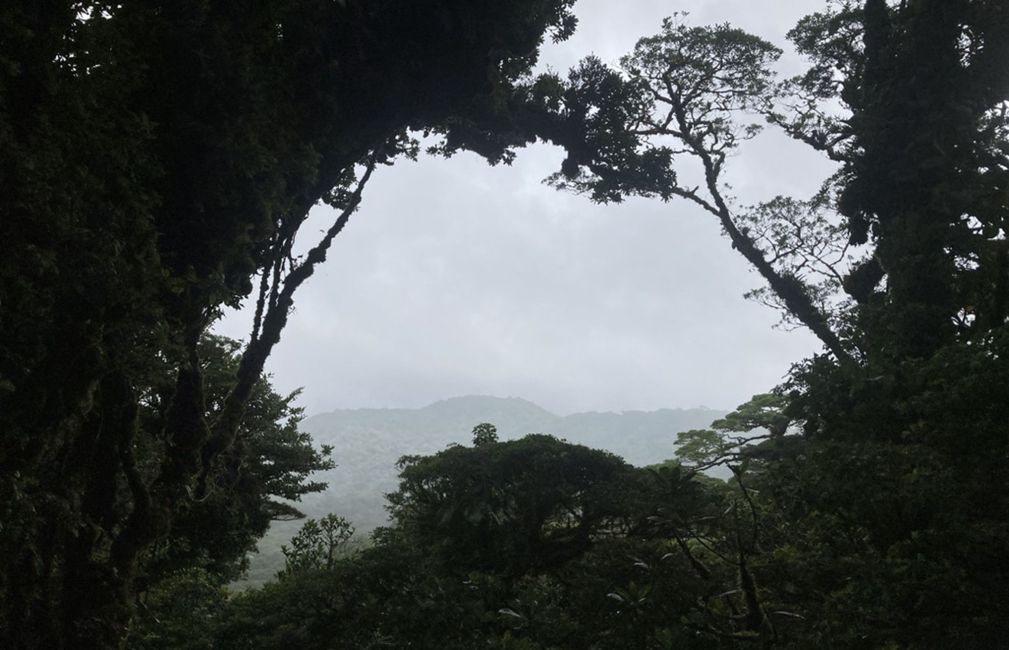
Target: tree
{"x": 918, "y": 140}
{"x": 510, "y": 507}
{"x": 158, "y": 159}
{"x": 898, "y": 266}
{"x": 760, "y": 419}
{"x": 903, "y": 449}
{"x": 678, "y": 98}
{"x": 181, "y": 583}
{"x": 484, "y": 433}
{"x": 253, "y": 484}
{"x": 316, "y": 545}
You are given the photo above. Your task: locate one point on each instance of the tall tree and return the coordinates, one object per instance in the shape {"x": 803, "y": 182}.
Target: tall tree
{"x": 894, "y": 491}
{"x": 920, "y": 134}
{"x": 909, "y": 99}
{"x": 664, "y": 125}
{"x": 157, "y": 158}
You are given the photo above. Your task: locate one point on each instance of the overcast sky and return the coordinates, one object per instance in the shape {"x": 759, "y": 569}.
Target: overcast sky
{"x": 456, "y": 278}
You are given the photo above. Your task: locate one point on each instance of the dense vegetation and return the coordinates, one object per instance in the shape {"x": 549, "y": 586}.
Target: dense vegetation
{"x": 157, "y": 161}
{"x": 366, "y": 443}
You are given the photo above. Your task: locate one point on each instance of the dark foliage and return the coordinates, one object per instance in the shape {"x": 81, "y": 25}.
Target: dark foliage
{"x": 158, "y": 167}
{"x": 533, "y": 543}
{"x": 157, "y": 160}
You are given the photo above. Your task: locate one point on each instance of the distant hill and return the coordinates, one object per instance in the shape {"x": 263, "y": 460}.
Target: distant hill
{"x": 368, "y": 442}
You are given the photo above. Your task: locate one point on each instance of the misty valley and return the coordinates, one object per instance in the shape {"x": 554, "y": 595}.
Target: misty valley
{"x": 367, "y": 444}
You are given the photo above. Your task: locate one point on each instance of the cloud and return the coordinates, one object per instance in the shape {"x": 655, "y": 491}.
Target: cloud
{"x": 457, "y": 278}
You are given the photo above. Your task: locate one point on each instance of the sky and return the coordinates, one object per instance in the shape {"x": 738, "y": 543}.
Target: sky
{"x": 456, "y": 278}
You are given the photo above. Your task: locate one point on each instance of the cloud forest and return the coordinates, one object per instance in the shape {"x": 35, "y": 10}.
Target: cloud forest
{"x": 158, "y": 163}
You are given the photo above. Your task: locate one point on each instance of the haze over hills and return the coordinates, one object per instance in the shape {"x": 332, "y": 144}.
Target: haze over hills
{"x": 368, "y": 442}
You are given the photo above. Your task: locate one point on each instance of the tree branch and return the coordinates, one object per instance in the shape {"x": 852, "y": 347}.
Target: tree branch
{"x": 251, "y": 366}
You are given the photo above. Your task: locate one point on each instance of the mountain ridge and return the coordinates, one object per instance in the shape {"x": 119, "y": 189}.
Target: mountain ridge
{"x": 474, "y": 397}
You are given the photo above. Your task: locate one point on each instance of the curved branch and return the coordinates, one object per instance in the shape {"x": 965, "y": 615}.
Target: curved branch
{"x": 790, "y": 290}
{"x": 274, "y": 320}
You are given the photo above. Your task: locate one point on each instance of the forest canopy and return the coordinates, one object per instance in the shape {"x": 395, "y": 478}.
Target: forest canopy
{"x": 158, "y": 162}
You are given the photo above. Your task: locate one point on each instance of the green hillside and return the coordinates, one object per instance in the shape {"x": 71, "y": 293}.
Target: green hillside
{"x": 368, "y": 442}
